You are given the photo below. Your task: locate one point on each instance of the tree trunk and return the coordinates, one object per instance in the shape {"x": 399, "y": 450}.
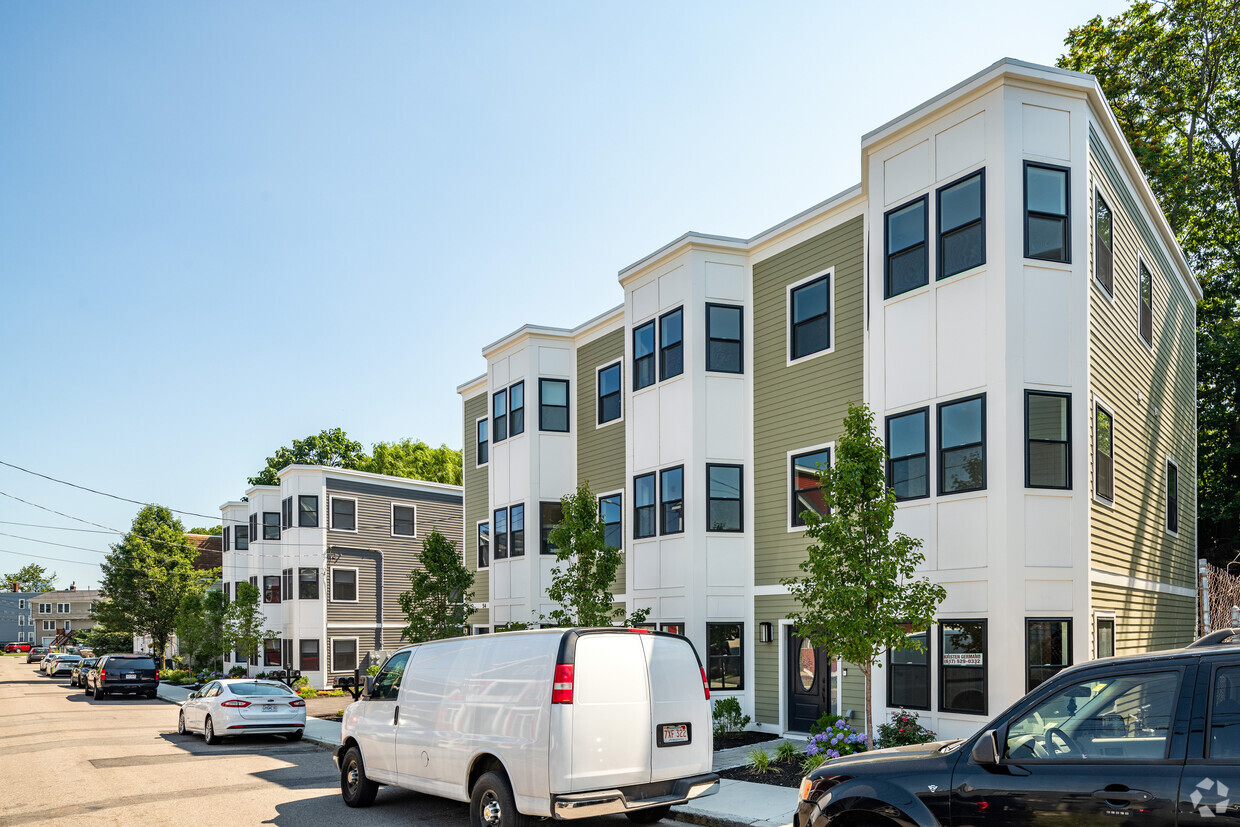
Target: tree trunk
{"x": 869, "y": 719}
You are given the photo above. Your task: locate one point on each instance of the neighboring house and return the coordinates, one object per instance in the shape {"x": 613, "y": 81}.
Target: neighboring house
{"x": 330, "y": 551}
{"x": 1004, "y": 292}
{"x": 17, "y": 617}
{"x": 58, "y": 614}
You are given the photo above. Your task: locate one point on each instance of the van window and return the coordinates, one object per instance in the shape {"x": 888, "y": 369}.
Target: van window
{"x": 387, "y": 682}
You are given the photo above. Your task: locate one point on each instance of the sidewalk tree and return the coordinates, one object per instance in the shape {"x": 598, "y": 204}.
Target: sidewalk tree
{"x": 586, "y": 567}
{"x": 440, "y": 596}
{"x": 215, "y": 614}
{"x": 245, "y": 623}
{"x": 859, "y": 592}
{"x": 31, "y": 578}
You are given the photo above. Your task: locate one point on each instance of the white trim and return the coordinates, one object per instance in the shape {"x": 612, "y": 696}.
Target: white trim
{"x": 331, "y": 517}
{"x": 331, "y": 653}
{"x": 1093, "y": 233}
{"x": 392, "y": 525}
{"x": 1110, "y": 578}
{"x": 600, "y": 496}
{"x": 830, "y": 446}
{"x": 21, "y": 604}
{"x": 490, "y": 545}
{"x": 1170, "y": 460}
{"x": 617, "y": 363}
{"x": 1094, "y": 631}
{"x": 830, "y": 274}
{"x": 478, "y": 464}
{"x": 767, "y": 591}
{"x": 1099, "y": 402}
{"x": 1141, "y": 262}
{"x": 331, "y": 584}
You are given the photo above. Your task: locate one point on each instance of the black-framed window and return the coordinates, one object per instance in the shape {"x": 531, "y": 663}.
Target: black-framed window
{"x": 907, "y": 263}
{"x": 609, "y": 401}
{"x": 225, "y": 537}
{"x": 516, "y": 409}
{"x": 1104, "y": 636}
{"x": 643, "y": 506}
{"x": 227, "y": 599}
{"x": 643, "y": 356}
{"x": 403, "y": 520}
{"x": 344, "y": 585}
{"x": 254, "y": 535}
{"x": 286, "y": 584}
{"x": 286, "y": 512}
{"x": 1046, "y": 212}
{"x": 1173, "y": 497}
{"x": 484, "y": 545}
{"x": 501, "y": 533}
{"x": 516, "y": 531}
{"x": 499, "y": 416}
{"x": 962, "y": 445}
{"x": 1104, "y": 244}
{"x": 1048, "y": 649}
{"x": 1048, "y": 440}
{"x": 1145, "y": 324}
{"x": 288, "y": 652}
{"x": 724, "y": 338}
{"x": 553, "y": 405}
{"x": 809, "y": 317}
{"x": 484, "y": 443}
{"x": 1104, "y": 453}
{"x": 611, "y": 512}
{"x": 963, "y": 670}
{"x": 271, "y": 651}
{"x": 672, "y": 343}
{"x": 961, "y": 209}
{"x": 908, "y": 671}
{"x": 271, "y": 525}
{"x": 725, "y": 656}
{"x": 307, "y": 584}
{"x": 908, "y": 467}
{"x": 805, "y": 491}
{"x": 344, "y": 514}
{"x": 725, "y": 485}
{"x": 550, "y": 515}
{"x": 672, "y": 500}
{"x": 344, "y": 654}
{"x": 308, "y": 510}
{"x": 242, "y": 537}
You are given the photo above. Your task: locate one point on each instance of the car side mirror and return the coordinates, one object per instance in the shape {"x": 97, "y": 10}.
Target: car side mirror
{"x": 370, "y": 686}
{"x": 986, "y": 751}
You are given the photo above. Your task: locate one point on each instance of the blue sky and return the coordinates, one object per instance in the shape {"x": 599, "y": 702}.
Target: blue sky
{"x": 229, "y": 225}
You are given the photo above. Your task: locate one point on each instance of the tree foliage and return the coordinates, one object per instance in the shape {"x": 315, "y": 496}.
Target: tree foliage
{"x": 245, "y": 624}
{"x": 333, "y": 448}
{"x": 104, "y": 641}
{"x": 406, "y": 458}
{"x": 440, "y": 596}
{"x": 860, "y": 587}
{"x": 200, "y": 626}
{"x": 213, "y": 531}
{"x": 1172, "y": 73}
{"x": 32, "y": 578}
{"x": 586, "y": 567}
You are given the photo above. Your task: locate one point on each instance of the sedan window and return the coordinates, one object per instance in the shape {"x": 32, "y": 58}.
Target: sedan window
{"x": 259, "y": 689}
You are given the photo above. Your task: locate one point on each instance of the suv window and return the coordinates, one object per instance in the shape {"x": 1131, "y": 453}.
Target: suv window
{"x": 1225, "y": 714}
{"x": 131, "y": 662}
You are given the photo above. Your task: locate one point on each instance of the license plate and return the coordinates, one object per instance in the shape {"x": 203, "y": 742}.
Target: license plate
{"x": 269, "y": 708}
{"x": 130, "y": 676}
{"x": 673, "y": 734}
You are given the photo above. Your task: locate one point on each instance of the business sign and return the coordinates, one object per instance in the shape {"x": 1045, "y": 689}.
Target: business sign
{"x": 963, "y": 659}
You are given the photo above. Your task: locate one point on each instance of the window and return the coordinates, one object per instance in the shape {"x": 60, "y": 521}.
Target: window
{"x": 907, "y": 264}
{"x": 1104, "y": 454}
{"x": 671, "y": 344}
{"x": 307, "y": 584}
{"x": 499, "y": 415}
{"x": 287, "y": 646}
{"x": 611, "y": 512}
{"x": 1046, "y": 212}
{"x": 643, "y": 356}
{"x": 1104, "y": 250}
{"x": 643, "y": 506}
{"x": 45, "y": 608}
{"x": 961, "y": 208}
{"x": 1048, "y": 440}
{"x": 724, "y": 485}
{"x": 62, "y": 608}
{"x": 608, "y": 384}
{"x": 254, "y": 583}
{"x": 344, "y": 514}
{"x": 242, "y": 536}
{"x": 1104, "y": 637}
{"x": 271, "y": 525}
{"x": 21, "y": 620}
{"x": 671, "y": 500}
{"x": 549, "y": 516}
{"x": 308, "y": 511}
{"x": 1048, "y": 647}
{"x": 21, "y": 604}
{"x": 908, "y": 671}
{"x": 962, "y": 666}
{"x": 725, "y": 656}
{"x": 908, "y": 469}
{"x": 1173, "y": 497}
{"x": 810, "y": 317}
{"x": 962, "y": 445}
{"x": 344, "y": 654}
{"x": 1225, "y": 714}
{"x": 723, "y": 338}
{"x": 286, "y": 512}
{"x": 237, "y": 590}
{"x": 224, "y": 537}
{"x": 271, "y": 652}
{"x": 344, "y": 585}
{"x": 286, "y": 584}
{"x": 516, "y": 409}
{"x": 516, "y": 531}
{"x": 673, "y": 628}
{"x": 227, "y": 593}
{"x": 403, "y": 523}
{"x": 501, "y": 534}
{"x": 271, "y": 588}
{"x": 553, "y": 405}
{"x": 484, "y": 545}
{"x": 49, "y": 625}
{"x": 387, "y": 682}
{"x": 1146, "y": 322}
{"x": 483, "y": 444}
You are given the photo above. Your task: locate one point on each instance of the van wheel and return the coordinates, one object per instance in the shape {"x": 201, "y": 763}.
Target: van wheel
{"x": 356, "y": 789}
{"x": 492, "y": 804}
{"x": 650, "y": 814}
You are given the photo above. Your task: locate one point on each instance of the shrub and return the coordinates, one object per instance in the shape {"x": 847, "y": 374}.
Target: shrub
{"x": 373, "y": 669}
{"x": 760, "y": 761}
{"x": 904, "y": 729}
{"x": 237, "y": 672}
{"x": 728, "y": 716}
{"x": 839, "y": 739}
{"x": 174, "y": 676}
{"x": 786, "y": 751}
{"x": 813, "y": 762}
{"x": 306, "y": 692}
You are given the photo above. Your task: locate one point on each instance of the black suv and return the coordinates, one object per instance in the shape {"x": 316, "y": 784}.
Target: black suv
{"x": 1147, "y": 739}
{"x": 122, "y": 674}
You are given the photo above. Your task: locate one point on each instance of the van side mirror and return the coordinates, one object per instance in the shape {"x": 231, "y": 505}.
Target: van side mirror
{"x": 986, "y": 751}
{"x": 370, "y": 686}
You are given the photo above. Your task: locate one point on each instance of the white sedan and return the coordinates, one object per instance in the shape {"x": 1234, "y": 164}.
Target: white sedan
{"x": 61, "y": 664}
{"x": 243, "y": 706}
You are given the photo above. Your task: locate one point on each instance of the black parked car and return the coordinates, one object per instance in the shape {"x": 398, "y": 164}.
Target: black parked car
{"x": 80, "y": 669}
{"x": 1127, "y": 740}
{"x": 122, "y": 674}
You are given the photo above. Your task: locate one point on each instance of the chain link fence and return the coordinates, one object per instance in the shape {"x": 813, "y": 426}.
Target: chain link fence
{"x": 1218, "y": 595}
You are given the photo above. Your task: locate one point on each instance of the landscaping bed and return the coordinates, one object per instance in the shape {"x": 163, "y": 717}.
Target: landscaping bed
{"x": 779, "y": 774}
{"x": 742, "y": 739}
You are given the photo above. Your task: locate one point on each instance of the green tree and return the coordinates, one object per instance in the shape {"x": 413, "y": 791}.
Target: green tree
{"x": 415, "y": 460}
{"x": 32, "y": 578}
{"x": 586, "y": 566}
{"x": 213, "y": 531}
{"x": 103, "y": 640}
{"x": 215, "y": 638}
{"x": 859, "y": 588}
{"x": 440, "y": 596}
{"x": 245, "y": 624}
{"x": 199, "y": 626}
{"x": 1172, "y": 73}
{"x": 147, "y": 576}
{"x": 332, "y": 448}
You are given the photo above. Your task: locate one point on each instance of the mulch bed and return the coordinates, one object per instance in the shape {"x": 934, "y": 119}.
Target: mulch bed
{"x": 742, "y": 739}
{"x": 783, "y": 774}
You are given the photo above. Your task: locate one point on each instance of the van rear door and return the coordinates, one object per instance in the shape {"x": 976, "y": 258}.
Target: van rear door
{"x": 611, "y": 724}
{"x": 681, "y": 738}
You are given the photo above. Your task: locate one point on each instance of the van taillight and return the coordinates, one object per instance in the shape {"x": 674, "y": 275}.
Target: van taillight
{"x": 705, "y": 685}
{"x": 562, "y": 688}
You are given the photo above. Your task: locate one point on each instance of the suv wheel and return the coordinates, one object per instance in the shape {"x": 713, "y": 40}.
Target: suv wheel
{"x": 356, "y": 789}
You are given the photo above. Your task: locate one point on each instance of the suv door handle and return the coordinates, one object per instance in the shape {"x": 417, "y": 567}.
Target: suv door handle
{"x": 396, "y": 716}
{"x": 1127, "y": 796}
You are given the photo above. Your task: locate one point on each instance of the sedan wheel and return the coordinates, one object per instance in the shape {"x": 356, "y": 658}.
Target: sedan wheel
{"x": 181, "y": 724}
{"x": 208, "y": 732}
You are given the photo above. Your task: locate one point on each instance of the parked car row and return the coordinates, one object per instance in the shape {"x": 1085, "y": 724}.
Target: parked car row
{"x": 104, "y": 676}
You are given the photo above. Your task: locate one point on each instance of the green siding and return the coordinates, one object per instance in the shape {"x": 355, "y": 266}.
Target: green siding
{"x": 477, "y": 499}
{"x": 1145, "y": 621}
{"x": 600, "y": 451}
{"x": 803, "y": 404}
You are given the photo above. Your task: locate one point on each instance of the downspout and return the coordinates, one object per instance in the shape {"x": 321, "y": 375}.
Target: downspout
{"x": 378, "y": 556}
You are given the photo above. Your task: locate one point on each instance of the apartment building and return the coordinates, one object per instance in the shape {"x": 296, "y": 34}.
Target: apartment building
{"x": 57, "y": 614}
{"x": 330, "y": 551}
{"x": 1003, "y": 291}
{"x": 17, "y": 617}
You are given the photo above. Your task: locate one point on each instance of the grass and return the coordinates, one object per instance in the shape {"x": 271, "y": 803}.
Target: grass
{"x": 787, "y": 751}
{"x": 760, "y": 761}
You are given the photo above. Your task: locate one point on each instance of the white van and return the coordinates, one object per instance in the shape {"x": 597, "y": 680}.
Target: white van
{"x": 561, "y": 723}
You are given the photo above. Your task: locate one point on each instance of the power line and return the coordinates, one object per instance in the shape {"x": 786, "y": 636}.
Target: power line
{"x": 50, "y": 543}
{"x": 62, "y": 528}
{"x": 102, "y": 493}
{"x": 57, "y": 513}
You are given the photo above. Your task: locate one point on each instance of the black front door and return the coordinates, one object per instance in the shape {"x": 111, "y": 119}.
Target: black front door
{"x": 810, "y": 683}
